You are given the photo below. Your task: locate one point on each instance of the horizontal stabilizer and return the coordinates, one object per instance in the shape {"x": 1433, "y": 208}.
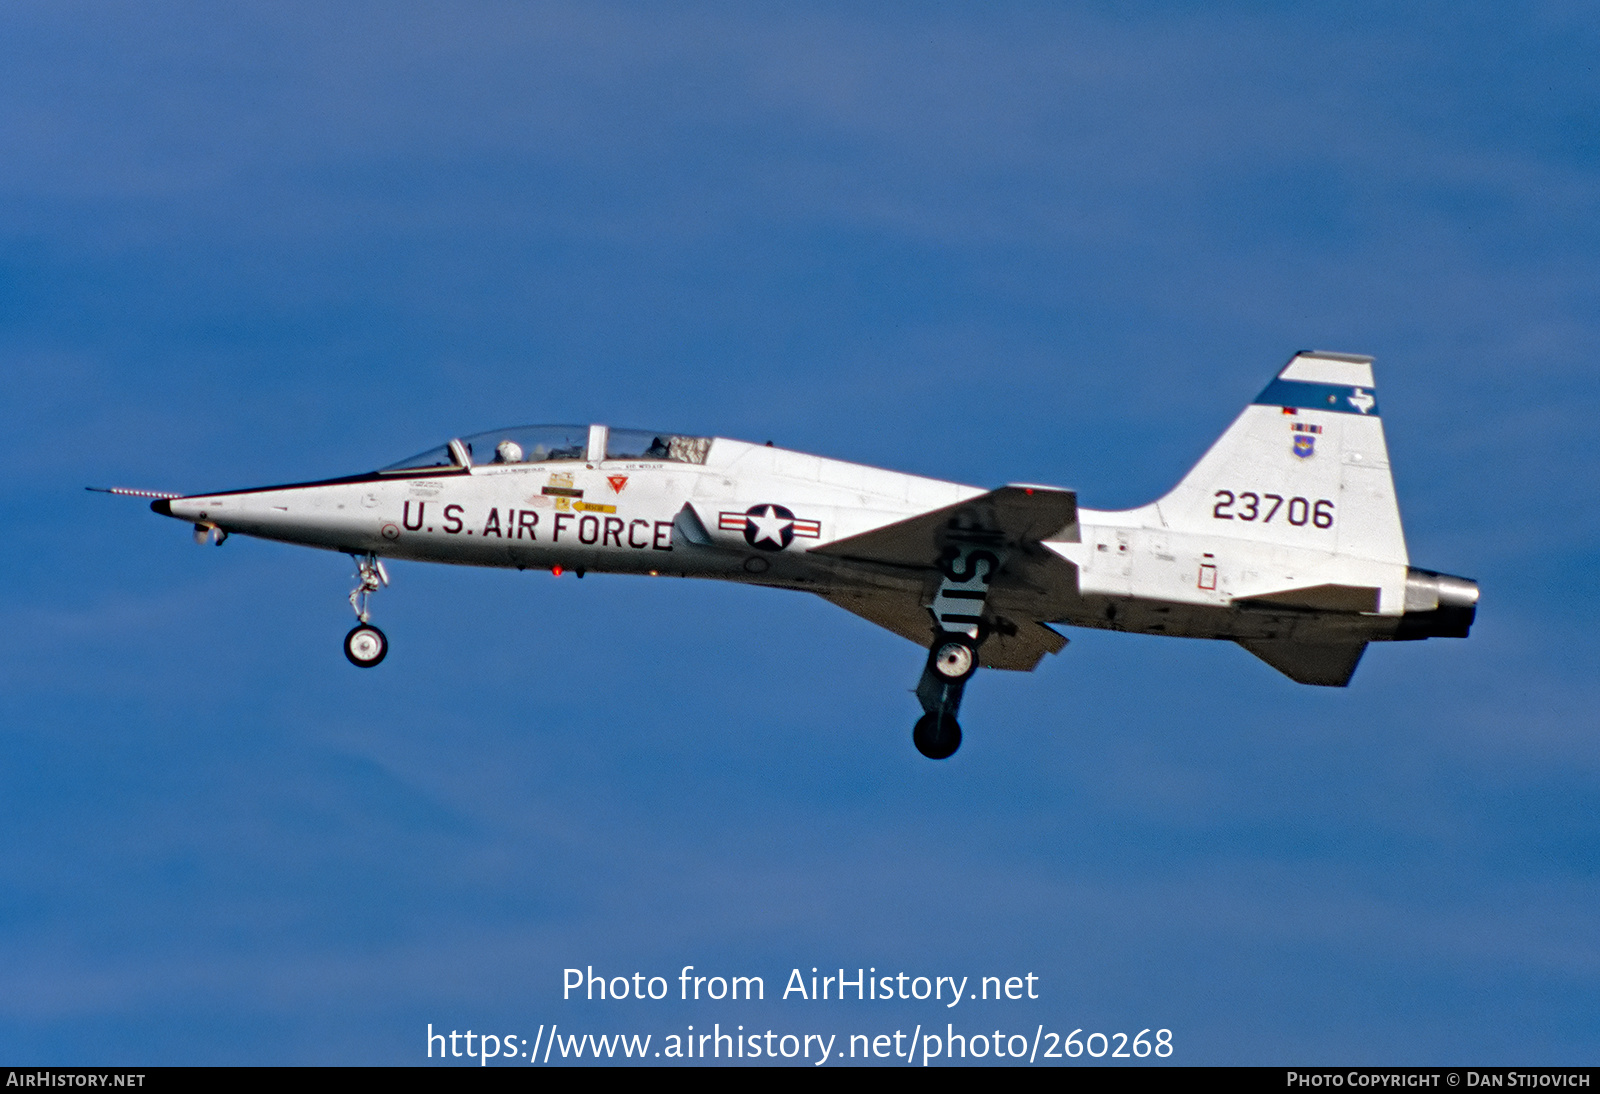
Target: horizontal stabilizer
{"x": 1012, "y": 516}
{"x": 1328, "y": 665}
{"x": 1016, "y": 645}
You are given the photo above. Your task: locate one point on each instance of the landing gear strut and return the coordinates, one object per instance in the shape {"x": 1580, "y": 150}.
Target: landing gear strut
{"x": 951, "y": 663}
{"x": 366, "y": 645}
{"x": 957, "y": 611}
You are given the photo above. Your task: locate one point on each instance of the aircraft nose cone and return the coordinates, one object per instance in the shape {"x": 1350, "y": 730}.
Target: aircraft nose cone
{"x": 162, "y": 506}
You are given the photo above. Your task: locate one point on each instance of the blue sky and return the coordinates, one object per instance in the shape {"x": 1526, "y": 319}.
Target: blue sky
{"x": 1040, "y": 243}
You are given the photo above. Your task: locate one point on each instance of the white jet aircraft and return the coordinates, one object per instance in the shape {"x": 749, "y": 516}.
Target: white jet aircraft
{"x": 1284, "y": 538}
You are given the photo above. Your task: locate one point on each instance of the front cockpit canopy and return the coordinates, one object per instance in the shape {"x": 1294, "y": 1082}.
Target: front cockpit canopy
{"x": 519, "y": 444}
{"x": 553, "y": 443}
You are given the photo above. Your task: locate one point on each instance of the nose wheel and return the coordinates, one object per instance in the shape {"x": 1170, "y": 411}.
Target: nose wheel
{"x": 365, "y": 646}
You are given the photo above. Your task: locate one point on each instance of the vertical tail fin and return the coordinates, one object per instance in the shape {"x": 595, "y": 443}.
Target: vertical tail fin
{"x": 1305, "y": 465}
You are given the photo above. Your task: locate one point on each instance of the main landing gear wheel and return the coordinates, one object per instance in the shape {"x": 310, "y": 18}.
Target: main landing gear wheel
{"x": 954, "y": 659}
{"x": 365, "y": 646}
{"x": 937, "y": 736}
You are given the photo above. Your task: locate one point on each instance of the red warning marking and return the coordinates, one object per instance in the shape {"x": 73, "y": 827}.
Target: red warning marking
{"x": 617, "y": 482}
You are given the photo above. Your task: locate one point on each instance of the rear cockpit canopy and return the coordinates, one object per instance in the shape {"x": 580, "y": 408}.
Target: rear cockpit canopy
{"x": 555, "y": 443}
{"x": 642, "y": 444}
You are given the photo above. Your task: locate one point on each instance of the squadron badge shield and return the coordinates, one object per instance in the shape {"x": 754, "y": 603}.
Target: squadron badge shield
{"x": 1305, "y": 438}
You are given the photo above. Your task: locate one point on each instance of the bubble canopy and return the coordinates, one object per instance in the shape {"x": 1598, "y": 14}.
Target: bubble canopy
{"x": 555, "y": 443}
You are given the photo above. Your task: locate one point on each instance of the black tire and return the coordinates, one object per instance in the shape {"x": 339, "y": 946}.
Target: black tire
{"x": 365, "y": 646}
{"x": 953, "y": 658}
{"x": 937, "y": 736}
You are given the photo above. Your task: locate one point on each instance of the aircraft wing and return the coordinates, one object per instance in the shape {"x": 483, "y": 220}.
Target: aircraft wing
{"x": 1014, "y": 644}
{"x": 1012, "y": 516}
{"x": 1015, "y": 518}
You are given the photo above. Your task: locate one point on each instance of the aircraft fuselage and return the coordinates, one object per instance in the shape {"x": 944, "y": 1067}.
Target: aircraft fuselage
{"x": 1285, "y": 537}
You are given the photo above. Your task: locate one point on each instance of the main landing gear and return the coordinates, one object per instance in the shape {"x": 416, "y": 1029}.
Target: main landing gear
{"x": 951, "y": 662}
{"x": 957, "y": 611}
{"x": 365, "y": 645}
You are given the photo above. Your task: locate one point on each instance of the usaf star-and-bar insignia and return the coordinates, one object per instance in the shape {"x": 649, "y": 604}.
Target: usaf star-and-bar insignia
{"x": 769, "y": 527}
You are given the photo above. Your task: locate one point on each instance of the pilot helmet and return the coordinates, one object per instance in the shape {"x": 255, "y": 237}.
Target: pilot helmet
{"x": 508, "y": 452}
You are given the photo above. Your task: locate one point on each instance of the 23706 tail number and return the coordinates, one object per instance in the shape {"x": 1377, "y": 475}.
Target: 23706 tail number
{"x": 1248, "y": 505}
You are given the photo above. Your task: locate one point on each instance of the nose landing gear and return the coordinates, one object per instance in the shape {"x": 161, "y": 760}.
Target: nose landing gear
{"x": 365, "y": 645}
{"x": 207, "y": 532}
